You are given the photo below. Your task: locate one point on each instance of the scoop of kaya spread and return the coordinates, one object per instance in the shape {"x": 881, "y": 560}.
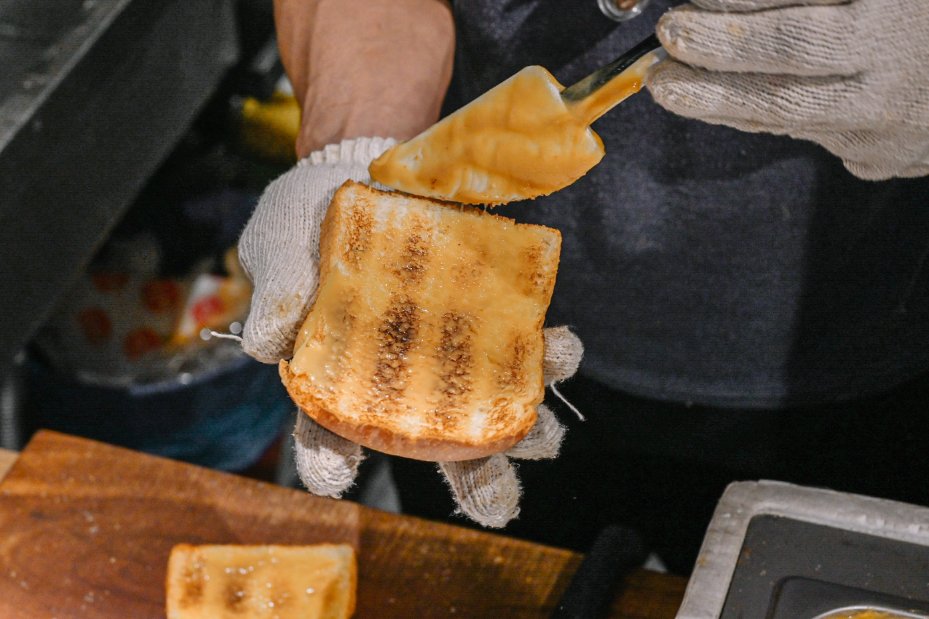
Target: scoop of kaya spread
{"x": 517, "y": 141}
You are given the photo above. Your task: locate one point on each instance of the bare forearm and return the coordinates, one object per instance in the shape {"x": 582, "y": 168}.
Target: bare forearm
{"x": 365, "y": 67}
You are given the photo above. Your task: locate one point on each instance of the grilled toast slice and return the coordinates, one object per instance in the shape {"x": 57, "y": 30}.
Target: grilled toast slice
{"x": 257, "y": 582}
{"x": 425, "y": 339}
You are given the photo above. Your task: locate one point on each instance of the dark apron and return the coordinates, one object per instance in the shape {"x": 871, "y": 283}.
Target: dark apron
{"x": 703, "y": 264}
{"x": 749, "y": 309}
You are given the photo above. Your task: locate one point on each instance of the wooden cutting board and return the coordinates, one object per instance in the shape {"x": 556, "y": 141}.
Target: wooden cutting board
{"x": 86, "y": 529}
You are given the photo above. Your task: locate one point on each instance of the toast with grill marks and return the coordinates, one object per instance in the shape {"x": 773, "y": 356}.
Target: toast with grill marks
{"x": 425, "y": 339}
{"x": 315, "y": 581}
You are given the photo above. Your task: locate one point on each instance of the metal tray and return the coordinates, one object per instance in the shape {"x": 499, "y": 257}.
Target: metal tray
{"x": 776, "y": 550}
{"x": 799, "y": 570}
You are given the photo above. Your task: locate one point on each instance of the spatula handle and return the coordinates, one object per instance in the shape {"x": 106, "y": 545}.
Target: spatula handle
{"x": 600, "y": 91}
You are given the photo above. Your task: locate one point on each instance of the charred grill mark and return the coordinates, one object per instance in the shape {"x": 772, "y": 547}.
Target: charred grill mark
{"x": 534, "y": 273}
{"x": 514, "y": 372}
{"x": 357, "y": 236}
{"x": 455, "y": 358}
{"x": 193, "y": 582}
{"x": 338, "y": 333}
{"x": 498, "y": 415}
{"x": 415, "y": 254}
{"x": 467, "y": 274}
{"x": 396, "y": 336}
{"x": 234, "y": 596}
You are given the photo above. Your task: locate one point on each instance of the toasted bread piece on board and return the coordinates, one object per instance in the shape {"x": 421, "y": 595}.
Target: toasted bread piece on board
{"x": 425, "y": 339}
{"x": 260, "y": 582}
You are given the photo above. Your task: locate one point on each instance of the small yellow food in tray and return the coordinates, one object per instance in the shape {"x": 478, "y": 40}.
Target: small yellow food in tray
{"x": 868, "y": 613}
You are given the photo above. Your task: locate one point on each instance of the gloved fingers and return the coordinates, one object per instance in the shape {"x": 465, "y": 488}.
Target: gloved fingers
{"x": 277, "y": 310}
{"x": 798, "y": 40}
{"x": 871, "y": 170}
{"x": 752, "y": 101}
{"x": 915, "y": 171}
{"x": 279, "y": 250}
{"x": 543, "y": 441}
{"x": 326, "y": 463}
{"x": 743, "y": 6}
{"x": 563, "y": 353}
{"x": 486, "y": 490}
{"x": 872, "y": 154}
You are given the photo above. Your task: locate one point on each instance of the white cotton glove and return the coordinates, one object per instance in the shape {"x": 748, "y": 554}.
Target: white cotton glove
{"x": 851, "y": 75}
{"x": 279, "y": 247}
{"x": 279, "y": 250}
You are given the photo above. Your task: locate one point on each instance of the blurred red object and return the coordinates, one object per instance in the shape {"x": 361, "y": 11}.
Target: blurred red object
{"x": 206, "y": 309}
{"x": 95, "y": 325}
{"x": 161, "y": 295}
{"x": 140, "y": 341}
{"x": 109, "y": 282}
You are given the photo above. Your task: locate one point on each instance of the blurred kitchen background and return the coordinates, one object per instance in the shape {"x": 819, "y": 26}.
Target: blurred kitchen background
{"x": 135, "y": 139}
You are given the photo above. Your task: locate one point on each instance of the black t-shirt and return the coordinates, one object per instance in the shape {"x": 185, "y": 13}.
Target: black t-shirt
{"x": 703, "y": 264}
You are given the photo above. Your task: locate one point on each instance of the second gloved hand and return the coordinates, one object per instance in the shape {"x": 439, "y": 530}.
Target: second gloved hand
{"x": 279, "y": 250}
{"x": 851, "y": 75}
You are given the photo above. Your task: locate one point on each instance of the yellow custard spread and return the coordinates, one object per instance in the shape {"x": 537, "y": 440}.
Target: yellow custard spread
{"x": 517, "y": 141}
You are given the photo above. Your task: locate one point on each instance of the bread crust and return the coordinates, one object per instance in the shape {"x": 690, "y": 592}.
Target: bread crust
{"x": 386, "y": 441}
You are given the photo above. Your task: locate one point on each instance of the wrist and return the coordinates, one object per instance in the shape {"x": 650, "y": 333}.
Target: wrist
{"x": 365, "y": 67}
{"x": 322, "y": 125}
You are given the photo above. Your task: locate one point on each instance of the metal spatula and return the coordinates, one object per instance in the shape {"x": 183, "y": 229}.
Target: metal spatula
{"x": 608, "y": 86}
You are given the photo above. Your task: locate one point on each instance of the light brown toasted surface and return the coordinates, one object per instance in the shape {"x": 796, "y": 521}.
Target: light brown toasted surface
{"x": 425, "y": 339}
{"x": 7, "y": 458}
{"x": 257, "y": 582}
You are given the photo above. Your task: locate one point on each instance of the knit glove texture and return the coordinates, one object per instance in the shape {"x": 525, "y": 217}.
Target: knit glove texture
{"x": 852, "y": 76}
{"x": 279, "y": 250}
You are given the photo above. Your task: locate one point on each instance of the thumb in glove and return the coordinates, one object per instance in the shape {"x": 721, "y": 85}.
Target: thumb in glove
{"x": 279, "y": 248}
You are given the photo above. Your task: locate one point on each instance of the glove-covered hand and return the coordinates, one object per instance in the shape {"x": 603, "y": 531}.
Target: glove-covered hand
{"x": 851, "y": 75}
{"x": 279, "y": 250}
{"x": 279, "y": 247}
{"x": 486, "y": 489}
